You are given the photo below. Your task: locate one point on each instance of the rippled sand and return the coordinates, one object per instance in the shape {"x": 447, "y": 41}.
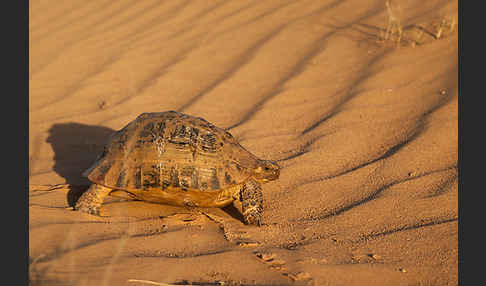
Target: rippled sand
{"x": 364, "y": 125}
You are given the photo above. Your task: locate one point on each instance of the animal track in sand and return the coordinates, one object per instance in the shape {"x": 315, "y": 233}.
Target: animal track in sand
{"x": 277, "y": 264}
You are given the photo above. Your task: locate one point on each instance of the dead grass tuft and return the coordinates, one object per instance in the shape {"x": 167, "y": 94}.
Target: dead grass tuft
{"x": 414, "y": 34}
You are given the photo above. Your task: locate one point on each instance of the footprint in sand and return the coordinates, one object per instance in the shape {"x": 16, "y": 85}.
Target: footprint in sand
{"x": 272, "y": 260}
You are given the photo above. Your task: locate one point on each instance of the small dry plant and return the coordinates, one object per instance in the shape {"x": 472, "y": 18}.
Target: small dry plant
{"x": 394, "y": 29}
{"x": 414, "y": 34}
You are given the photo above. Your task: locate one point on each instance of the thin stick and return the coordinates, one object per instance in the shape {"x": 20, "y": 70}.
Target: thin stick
{"x": 153, "y": 283}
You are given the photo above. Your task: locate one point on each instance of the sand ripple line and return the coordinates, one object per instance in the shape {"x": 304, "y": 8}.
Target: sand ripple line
{"x": 432, "y": 222}
{"x": 94, "y": 240}
{"x": 236, "y": 65}
{"x": 58, "y": 16}
{"x": 348, "y": 94}
{"x": 371, "y": 196}
{"x": 75, "y": 87}
{"x": 148, "y": 26}
{"x": 86, "y": 33}
{"x": 254, "y": 19}
{"x": 65, "y": 25}
{"x": 298, "y": 68}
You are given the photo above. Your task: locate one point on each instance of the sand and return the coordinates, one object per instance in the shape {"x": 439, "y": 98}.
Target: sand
{"x": 357, "y": 102}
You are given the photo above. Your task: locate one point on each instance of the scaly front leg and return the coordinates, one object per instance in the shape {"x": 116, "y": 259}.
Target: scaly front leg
{"x": 251, "y": 197}
{"x": 91, "y": 200}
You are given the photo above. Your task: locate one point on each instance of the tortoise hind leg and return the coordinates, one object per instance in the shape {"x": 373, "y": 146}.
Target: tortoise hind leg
{"x": 91, "y": 200}
{"x": 251, "y": 197}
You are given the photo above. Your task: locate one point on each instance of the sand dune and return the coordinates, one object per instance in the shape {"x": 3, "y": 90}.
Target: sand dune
{"x": 363, "y": 125}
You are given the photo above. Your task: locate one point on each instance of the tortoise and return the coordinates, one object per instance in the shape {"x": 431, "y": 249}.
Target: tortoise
{"x": 177, "y": 159}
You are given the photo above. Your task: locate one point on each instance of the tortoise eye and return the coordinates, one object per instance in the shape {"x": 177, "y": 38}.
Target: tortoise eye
{"x": 102, "y": 154}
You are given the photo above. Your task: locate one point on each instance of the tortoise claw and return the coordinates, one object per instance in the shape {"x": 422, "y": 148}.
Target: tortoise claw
{"x": 253, "y": 217}
{"x": 87, "y": 209}
{"x": 91, "y": 200}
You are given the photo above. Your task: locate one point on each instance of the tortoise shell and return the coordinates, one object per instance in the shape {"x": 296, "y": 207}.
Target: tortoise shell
{"x": 171, "y": 152}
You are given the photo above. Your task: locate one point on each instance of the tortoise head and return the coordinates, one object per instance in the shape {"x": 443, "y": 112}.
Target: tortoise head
{"x": 266, "y": 171}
